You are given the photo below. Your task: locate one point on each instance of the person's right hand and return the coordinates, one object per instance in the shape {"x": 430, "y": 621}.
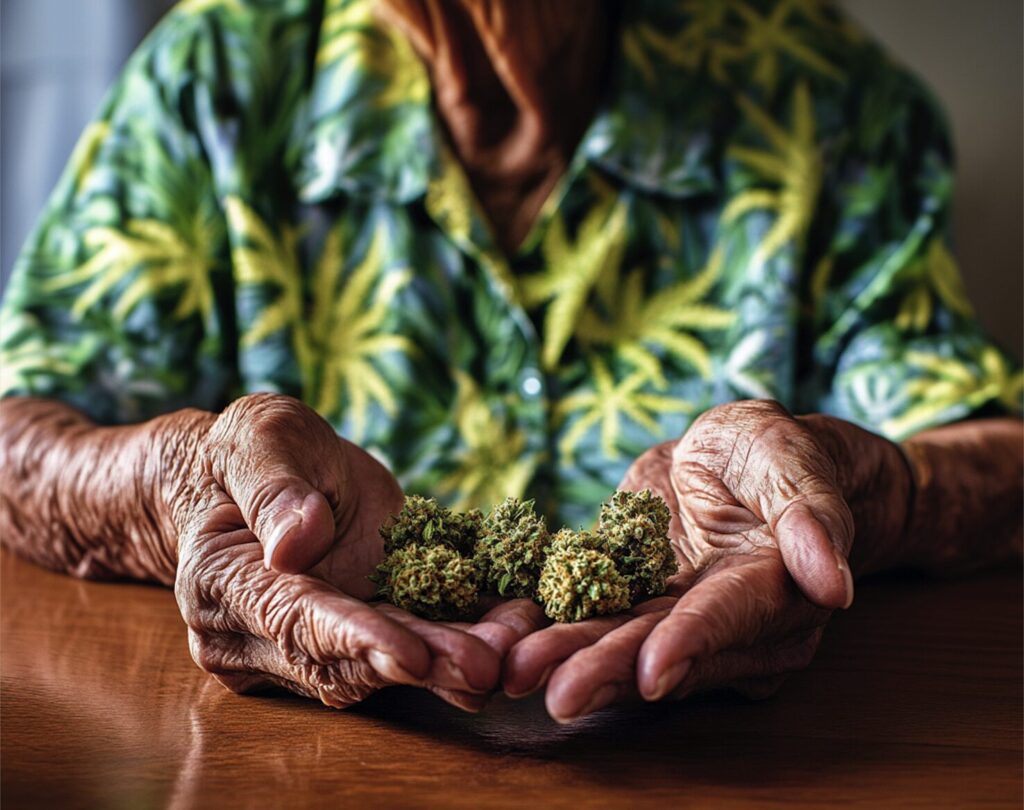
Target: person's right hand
{"x": 266, "y": 490}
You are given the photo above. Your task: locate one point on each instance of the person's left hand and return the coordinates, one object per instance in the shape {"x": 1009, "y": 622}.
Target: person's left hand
{"x": 762, "y": 526}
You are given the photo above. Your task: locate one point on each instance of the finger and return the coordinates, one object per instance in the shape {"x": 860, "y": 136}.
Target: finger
{"x": 812, "y": 552}
{"x": 247, "y": 664}
{"x": 730, "y": 607}
{"x": 459, "y": 660}
{"x": 718, "y": 671}
{"x": 504, "y": 626}
{"x": 600, "y": 674}
{"x": 228, "y": 589}
{"x": 794, "y": 483}
{"x": 530, "y": 662}
{"x": 292, "y": 520}
{"x": 338, "y": 684}
{"x": 467, "y": 701}
{"x": 500, "y": 628}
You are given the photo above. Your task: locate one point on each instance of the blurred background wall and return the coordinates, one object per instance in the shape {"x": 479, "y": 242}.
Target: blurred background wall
{"x": 58, "y": 56}
{"x": 970, "y": 52}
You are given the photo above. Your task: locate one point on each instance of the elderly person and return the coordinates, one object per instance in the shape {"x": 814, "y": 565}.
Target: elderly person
{"x": 527, "y": 248}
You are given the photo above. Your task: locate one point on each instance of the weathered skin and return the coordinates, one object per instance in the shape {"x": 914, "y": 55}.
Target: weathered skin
{"x": 226, "y": 508}
{"x": 770, "y": 514}
{"x": 761, "y": 503}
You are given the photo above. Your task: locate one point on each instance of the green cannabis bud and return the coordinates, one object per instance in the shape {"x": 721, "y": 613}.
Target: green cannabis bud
{"x": 579, "y": 582}
{"x": 424, "y": 521}
{"x": 438, "y": 561}
{"x": 512, "y": 548}
{"x": 462, "y": 531}
{"x": 428, "y": 567}
{"x": 634, "y": 528}
{"x": 432, "y": 581}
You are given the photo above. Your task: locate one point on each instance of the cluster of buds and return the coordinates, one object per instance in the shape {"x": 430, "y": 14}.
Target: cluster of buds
{"x": 438, "y": 562}
{"x": 428, "y": 566}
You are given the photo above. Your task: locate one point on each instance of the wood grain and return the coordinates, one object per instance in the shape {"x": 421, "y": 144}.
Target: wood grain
{"x": 914, "y": 700}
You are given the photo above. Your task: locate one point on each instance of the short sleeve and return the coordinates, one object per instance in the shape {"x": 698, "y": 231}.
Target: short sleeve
{"x": 119, "y": 301}
{"x": 896, "y": 345}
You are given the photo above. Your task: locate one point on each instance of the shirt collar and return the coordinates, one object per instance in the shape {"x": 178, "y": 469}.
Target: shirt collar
{"x": 371, "y": 129}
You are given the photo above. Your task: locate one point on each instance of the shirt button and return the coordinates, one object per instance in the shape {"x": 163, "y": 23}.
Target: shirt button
{"x": 531, "y": 384}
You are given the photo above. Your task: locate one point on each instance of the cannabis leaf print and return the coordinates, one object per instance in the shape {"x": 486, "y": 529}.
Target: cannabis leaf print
{"x": 268, "y": 201}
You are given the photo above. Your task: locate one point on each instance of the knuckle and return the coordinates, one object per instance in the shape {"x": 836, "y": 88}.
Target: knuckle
{"x": 777, "y": 437}
{"x": 743, "y": 412}
{"x": 262, "y": 494}
{"x": 730, "y": 438}
{"x": 340, "y": 684}
{"x": 797, "y": 486}
{"x": 193, "y": 602}
{"x": 271, "y": 415}
{"x": 289, "y": 615}
{"x": 205, "y": 588}
{"x": 252, "y": 419}
{"x": 208, "y": 652}
{"x": 276, "y": 613}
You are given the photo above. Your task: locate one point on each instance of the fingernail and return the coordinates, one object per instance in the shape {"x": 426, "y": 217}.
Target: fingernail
{"x": 601, "y": 698}
{"x": 457, "y": 675}
{"x": 669, "y": 680}
{"x": 387, "y": 666}
{"x": 540, "y": 682}
{"x": 283, "y": 526}
{"x": 473, "y": 704}
{"x": 844, "y": 568}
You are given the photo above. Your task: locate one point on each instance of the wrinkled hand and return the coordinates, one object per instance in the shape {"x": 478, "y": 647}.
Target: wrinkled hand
{"x": 765, "y": 508}
{"x": 273, "y": 491}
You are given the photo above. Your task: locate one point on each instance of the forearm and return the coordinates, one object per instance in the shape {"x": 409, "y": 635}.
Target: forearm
{"x": 969, "y": 495}
{"x": 947, "y": 500}
{"x": 91, "y": 501}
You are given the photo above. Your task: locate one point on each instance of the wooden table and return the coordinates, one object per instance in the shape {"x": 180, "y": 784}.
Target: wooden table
{"x": 914, "y": 699}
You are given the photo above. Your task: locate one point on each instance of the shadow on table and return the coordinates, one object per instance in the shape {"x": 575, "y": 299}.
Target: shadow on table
{"x": 885, "y": 682}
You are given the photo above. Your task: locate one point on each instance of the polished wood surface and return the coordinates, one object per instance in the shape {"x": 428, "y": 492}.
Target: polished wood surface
{"x": 914, "y": 699}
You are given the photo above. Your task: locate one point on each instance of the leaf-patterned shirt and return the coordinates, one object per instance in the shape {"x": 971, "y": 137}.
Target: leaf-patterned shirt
{"x": 759, "y": 208}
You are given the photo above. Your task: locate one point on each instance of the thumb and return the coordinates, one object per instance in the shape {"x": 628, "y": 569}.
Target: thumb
{"x": 812, "y": 532}
{"x": 290, "y": 518}
{"x": 266, "y": 452}
{"x": 791, "y": 481}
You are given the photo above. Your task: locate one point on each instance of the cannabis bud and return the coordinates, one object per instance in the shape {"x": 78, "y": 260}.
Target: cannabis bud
{"x": 425, "y": 521}
{"x": 579, "y": 582}
{"x": 435, "y": 582}
{"x": 428, "y": 566}
{"x": 634, "y": 527}
{"x": 512, "y": 548}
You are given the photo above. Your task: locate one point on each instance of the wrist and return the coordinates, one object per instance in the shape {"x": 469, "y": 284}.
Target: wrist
{"x": 167, "y": 455}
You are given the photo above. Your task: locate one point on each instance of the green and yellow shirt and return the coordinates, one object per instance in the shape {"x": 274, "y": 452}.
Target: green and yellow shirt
{"x": 760, "y": 208}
